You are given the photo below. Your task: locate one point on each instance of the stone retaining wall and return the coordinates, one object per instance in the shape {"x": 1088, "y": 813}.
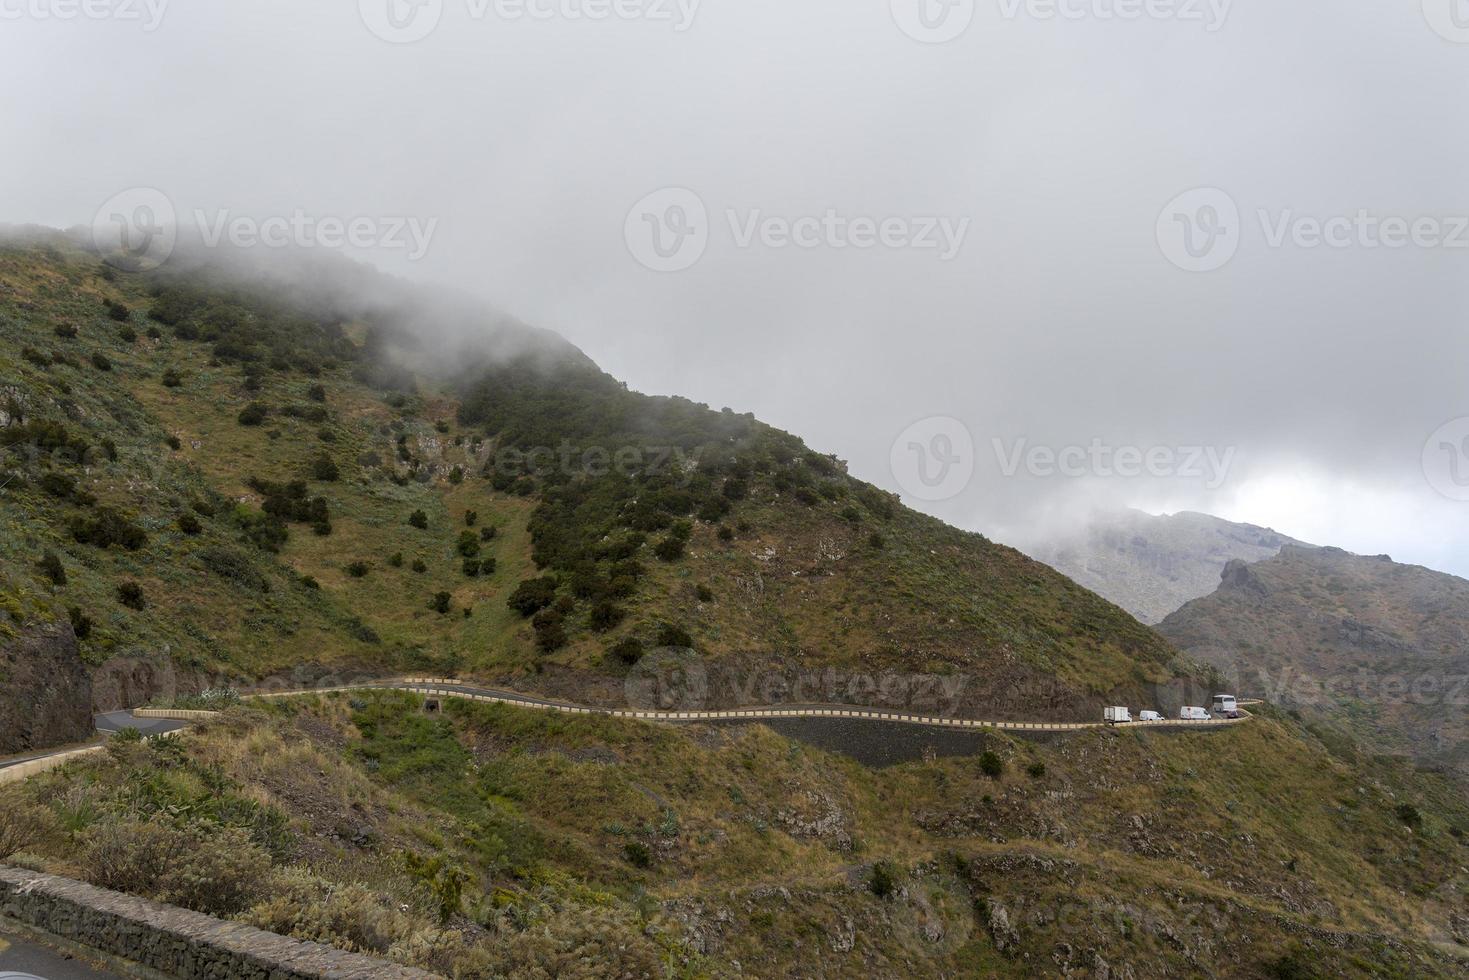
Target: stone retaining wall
{"x": 176, "y": 941}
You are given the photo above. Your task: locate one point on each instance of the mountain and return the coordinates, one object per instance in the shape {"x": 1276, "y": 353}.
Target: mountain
{"x": 1372, "y": 647}
{"x": 226, "y": 473}
{"x": 300, "y": 472}
{"x": 1150, "y": 565}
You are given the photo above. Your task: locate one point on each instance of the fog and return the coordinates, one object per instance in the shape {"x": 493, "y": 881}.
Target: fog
{"x": 965, "y": 267}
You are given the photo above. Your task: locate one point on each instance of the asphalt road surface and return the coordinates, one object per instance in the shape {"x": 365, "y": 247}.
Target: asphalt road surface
{"x": 23, "y": 958}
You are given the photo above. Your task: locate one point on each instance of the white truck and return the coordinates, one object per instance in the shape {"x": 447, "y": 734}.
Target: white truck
{"x": 1117, "y": 716}
{"x": 1149, "y": 716}
{"x": 1189, "y": 713}
{"x": 1225, "y": 706}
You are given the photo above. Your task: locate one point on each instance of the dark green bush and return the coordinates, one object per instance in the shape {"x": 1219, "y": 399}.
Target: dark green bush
{"x": 876, "y": 541}
{"x": 173, "y": 442}
{"x": 703, "y": 593}
{"x": 991, "y": 765}
{"x": 189, "y": 524}
{"x": 50, "y": 566}
{"x": 605, "y": 616}
{"x": 81, "y": 624}
{"x": 130, "y": 594}
{"x": 533, "y": 595}
{"x": 418, "y": 519}
{"x": 100, "y": 362}
{"x": 670, "y": 635}
{"x": 456, "y": 475}
{"x": 441, "y": 602}
{"x": 396, "y": 559}
{"x": 637, "y": 854}
{"x": 127, "y": 335}
{"x": 669, "y": 549}
{"x": 628, "y": 650}
{"x": 1037, "y": 770}
{"x": 117, "y": 311}
{"x": 254, "y": 414}
{"x": 324, "y": 468}
{"x": 65, "y": 331}
{"x": 316, "y": 393}
{"x": 550, "y": 630}
{"x": 468, "y": 544}
{"x": 487, "y": 533}
{"x": 419, "y": 566}
{"x": 108, "y": 527}
{"x": 726, "y": 533}
{"x": 472, "y": 567}
{"x": 171, "y": 378}
{"x": 471, "y": 517}
{"x": 358, "y": 569}
{"x": 35, "y": 357}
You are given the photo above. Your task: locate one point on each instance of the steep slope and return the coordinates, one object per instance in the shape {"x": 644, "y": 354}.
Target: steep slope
{"x": 497, "y": 841}
{"x": 1376, "y": 648}
{"x": 223, "y": 475}
{"x": 1150, "y": 565}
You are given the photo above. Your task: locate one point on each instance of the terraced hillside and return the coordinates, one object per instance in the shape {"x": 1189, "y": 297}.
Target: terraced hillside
{"x": 489, "y": 840}
{"x": 216, "y": 478}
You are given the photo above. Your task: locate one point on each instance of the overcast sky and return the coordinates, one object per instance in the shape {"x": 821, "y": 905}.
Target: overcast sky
{"x": 994, "y": 273}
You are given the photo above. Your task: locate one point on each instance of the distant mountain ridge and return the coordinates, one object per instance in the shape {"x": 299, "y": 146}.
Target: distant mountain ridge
{"x": 1151, "y": 565}
{"x": 1377, "y": 648}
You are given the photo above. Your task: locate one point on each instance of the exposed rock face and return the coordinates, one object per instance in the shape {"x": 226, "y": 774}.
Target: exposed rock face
{"x": 1150, "y": 565}
{"x": 45, "y": 692}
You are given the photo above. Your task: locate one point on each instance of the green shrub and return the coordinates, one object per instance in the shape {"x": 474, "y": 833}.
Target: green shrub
{"x": 127, "y": 335}
{"x": 1037, "y": 770}
{"x": 395, "y": 560}
{"x": 358, "y": 569}
{"x": 65, "y": 331}
{"x": 487, "y": 533}
{"x": 117, "y": 311}
{"x": 468, "y": 544}
{"x": 876, "y": 541}
{"x": 441, "y": 602}
{"x": 174, "y": 442}
{"x": 310, "y": 582}
{"x": 703, "y": 593}
{"x": 324, "y": 468}
{"x": 81, "y": 624}
{"x": 637, "y": 854}
{"x": 50, "y": 566}
{"x": 189, "y": 524}
{"x": 726, "y": 533}
{"x": 130, "y": 594}
{"x": 35, "y": 357}
{"x": 456, "y": 475}
{"x": 58, "y": 485}
{"x": 628, "y": 650}
{"x": 533, "y": 595}
{"x": 550, "y": 630}
{"x": 670, "y": 635}
{"x": 419, "y": 566}
{"x": 472, "y": 567}
{"x": 100, "y": 362}
{"x": 882, "y": 882}
{"x": 606, "y": 615}
{"x": 669, "y": 549}
{"x": 108, "y": 527}
{"x": 1408, "y": 814}
{"x": 254, "y": 414}
{"x": 991, "y": 765}
{"x": 418, "y": 519}
{"x": 316, "y": 393}
{"x": 471, "y": 517}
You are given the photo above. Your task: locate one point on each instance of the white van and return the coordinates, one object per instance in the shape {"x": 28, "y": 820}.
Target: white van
{"x": 1117, "y": 716}
{"x": 1225, "y": 706}
{"x": 1149, "y": 716}
{"x": 1193, "y": 714}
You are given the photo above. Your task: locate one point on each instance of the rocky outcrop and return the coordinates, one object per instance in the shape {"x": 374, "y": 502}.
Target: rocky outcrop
{"x": 45, "y": 692}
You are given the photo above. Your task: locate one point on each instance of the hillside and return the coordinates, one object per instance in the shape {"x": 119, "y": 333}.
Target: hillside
{"x": 1150, "y": 565}
{"x": 218, "y": 476}
{"x": 1375, "y": 648}
{"x": 497, "y": 841}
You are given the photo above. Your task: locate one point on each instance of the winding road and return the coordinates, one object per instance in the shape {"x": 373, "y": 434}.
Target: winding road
{"x": 829, "y": 726}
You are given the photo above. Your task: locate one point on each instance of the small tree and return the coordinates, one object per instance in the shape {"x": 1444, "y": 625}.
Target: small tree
{"x": 358, "y": 569}
{"x": 471, "y": 517}
{"x": 606, "y": 615}
{"x": 881, "y": 882}
{"x": 419, "y": 520}
{"x": 189, "y": 524}
{"x": 991, "y": 765}
{"x": 441, "y": 602}
{"x": 316, "y": 393}
{"x": 324, "y": 468}
{"x": 419, "y": 566}
{"x": 396, "y": 559}
{"x": 670, "y": 635}
{"x": 669, "y": 549}
{"x": 172, "y": 379}
{"x": 533, "y": 595}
